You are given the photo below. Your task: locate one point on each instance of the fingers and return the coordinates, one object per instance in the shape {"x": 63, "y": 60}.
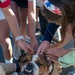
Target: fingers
{"x": 39, "y": 50}
{"x": 42, "y": 50}
{"x": 49, "y": 52}
{"x": 53, "y": 58}
{"x": 34, "y": 45}
{"x": 28, "y": 49}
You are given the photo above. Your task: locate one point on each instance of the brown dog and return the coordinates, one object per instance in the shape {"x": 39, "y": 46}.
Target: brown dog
{"x": 34, "y": 64}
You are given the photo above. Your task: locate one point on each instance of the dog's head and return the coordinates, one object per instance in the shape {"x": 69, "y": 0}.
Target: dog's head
{"x": 34, "y": 64}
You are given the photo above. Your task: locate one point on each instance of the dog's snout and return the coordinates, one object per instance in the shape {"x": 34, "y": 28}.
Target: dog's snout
{"x": 30, "y": 66}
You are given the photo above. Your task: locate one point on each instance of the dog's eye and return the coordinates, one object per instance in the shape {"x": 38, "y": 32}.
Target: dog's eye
{"x": 39, "y": 64}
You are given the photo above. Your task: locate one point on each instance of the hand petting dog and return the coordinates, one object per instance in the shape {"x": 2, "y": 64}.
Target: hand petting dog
{"x": 34, "y": 64}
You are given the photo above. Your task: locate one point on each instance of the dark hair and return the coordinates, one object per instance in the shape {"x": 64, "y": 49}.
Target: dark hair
{"x": 68, "y": 11}
{"x": 67, "y": 8}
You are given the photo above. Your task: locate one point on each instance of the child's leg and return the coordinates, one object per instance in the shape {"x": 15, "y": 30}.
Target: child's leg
{"x": 5, "y": 40}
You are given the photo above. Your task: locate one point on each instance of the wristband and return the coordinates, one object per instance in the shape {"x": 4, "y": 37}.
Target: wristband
{"x": 19, "y": 38}
{"x": 27, "y": 39}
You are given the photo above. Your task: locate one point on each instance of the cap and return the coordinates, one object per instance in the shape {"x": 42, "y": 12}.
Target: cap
{"x": 52, "y": 8}
{"x": 4, "y": 3}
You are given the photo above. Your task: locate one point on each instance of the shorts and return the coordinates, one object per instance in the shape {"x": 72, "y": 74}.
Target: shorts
{"x": 21, "y": 3}
{"x": 4, "y": 3}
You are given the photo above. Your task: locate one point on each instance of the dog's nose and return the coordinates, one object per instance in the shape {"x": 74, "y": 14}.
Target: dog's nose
{"x": 30, "y": 66}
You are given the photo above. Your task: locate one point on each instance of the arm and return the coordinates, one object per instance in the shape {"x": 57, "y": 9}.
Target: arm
{"x": 31, "y": 25}
{"x": 13, "y": 24}
{"x": 50, "y": 31}
{"x": 12, "y": 21}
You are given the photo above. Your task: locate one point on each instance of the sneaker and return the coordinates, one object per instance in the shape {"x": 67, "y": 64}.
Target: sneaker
{"x": 72, "y": 72}
{"x": 15, "y": 73}
{"x": 16, "y": 52}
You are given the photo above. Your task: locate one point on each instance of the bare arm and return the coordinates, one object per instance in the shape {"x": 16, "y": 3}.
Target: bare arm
{"x": 10, "y": 16}
{"x": 31, "y": 20}
{"x": 13, "y": 24}
{"x": 31, "y": 25}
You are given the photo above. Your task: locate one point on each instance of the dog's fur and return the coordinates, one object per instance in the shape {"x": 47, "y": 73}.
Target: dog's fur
{"x": 34, "y": 64}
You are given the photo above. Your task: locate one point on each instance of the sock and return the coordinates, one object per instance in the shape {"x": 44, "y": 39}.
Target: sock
{"x": 9, "y": 61}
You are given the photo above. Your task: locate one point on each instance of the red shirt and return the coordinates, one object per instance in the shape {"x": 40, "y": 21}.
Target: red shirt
{"x": 4, "y": 4}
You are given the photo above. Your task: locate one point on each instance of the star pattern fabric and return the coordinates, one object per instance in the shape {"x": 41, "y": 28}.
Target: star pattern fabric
{"x": 52, "y": 8}
{"x": 48, "y": 4}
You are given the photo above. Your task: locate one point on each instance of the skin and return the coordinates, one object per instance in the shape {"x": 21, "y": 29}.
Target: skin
{"x": 45, "y": 45}
{"x": 21, "y": 14}
{"x": 13, "y": 24}
{"x": 55, "y": 51}
{"x": 31, "y": 26}
{"x": 5, "y": 41}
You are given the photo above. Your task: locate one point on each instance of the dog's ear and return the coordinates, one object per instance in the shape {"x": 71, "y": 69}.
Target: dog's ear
{"x": 50, "y": 64}
{"x": 21, "y": 57}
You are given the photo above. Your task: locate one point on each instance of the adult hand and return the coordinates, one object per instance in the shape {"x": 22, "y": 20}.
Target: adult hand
{"x": 46, "y": 73}
{"x": 52, "y": 58}
{"x": 57, "y": 52}
{"x": 34, "y": 44}
{"x": 43, "y": 47}
{"x": 25, "y": 46}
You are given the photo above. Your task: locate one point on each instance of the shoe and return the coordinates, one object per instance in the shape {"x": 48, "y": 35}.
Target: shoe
{"x": 71, "y": 73}
{"x": 16, "y": 52}
{"x": 15, "y": 73}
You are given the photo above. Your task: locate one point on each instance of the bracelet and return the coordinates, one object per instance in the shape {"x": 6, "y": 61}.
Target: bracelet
{"x": 19, "y": 38}
{"x": 27, "y": 39}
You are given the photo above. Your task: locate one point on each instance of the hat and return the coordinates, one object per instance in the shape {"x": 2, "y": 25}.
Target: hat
{"x": 4, "y": 3}
{"x": 52, "y": 8}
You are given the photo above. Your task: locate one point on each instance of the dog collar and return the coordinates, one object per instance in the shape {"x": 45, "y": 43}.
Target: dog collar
{"x": 52, "y": 8}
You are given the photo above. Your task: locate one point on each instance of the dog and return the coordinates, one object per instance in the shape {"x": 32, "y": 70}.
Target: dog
{"x": 34, "y": 64}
